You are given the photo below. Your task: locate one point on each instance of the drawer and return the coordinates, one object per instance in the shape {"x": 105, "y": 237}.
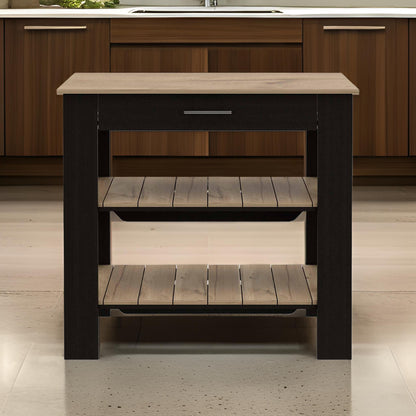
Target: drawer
{"x": 207, "y": 112}
{"x": 206, "y": 30}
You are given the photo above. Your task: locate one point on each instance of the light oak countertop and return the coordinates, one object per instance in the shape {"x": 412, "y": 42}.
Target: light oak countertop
{"x": 207, "y": 83}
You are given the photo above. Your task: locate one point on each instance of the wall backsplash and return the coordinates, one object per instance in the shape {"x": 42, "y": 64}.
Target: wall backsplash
{"x": 288, "y": 3}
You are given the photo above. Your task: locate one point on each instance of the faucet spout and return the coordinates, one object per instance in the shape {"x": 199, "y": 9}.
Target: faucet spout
{"x": 210, "y": 3}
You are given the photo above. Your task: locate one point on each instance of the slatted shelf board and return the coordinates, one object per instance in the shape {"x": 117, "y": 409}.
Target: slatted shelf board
{"x": 207, "y": 192}
{"x": 246, "y": 284}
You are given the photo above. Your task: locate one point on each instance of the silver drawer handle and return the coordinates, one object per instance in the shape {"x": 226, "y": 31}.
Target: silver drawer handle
{"x": 55, "y": 27}
{"x": 207, "y": 112}
{"x": 354, "y": 27}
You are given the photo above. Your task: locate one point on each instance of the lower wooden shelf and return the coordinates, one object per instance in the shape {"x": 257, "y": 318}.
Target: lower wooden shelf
{"x": 208, "y": 285}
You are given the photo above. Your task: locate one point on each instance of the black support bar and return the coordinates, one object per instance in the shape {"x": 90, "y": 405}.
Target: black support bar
{"x": 311, "y": 169}
{"x": 104, "y": 221}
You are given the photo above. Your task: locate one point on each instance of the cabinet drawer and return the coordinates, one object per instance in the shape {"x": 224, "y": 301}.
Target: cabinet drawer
{"x": 207, "y": 112}
{"x": 206, "y": 30}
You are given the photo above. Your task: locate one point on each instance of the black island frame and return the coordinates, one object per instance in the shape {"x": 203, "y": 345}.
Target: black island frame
{"x": 88, "y": 120}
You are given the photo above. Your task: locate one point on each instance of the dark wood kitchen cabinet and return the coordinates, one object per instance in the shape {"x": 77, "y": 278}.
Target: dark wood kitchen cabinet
{"x": 201, "y": 45}
{"x": 373, "y": 54}
{"x": 1, "y": 87}
{"x": 40, "y": 54}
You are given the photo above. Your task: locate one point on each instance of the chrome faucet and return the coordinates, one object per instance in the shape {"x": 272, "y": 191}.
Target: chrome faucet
{"x": 211, "y": 3}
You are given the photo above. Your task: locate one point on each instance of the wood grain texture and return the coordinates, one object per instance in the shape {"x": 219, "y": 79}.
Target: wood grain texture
{"x": 257, "y": 192}
{"x": 36, "y": 63}
{"x": 124, "y": 192}
{"x": 291, "y": 192}
{"x": 48, "y": 170}
{"x": 252, "y": 143}
{"x": 200, "y": 30}
{"x": 103, "y": 187}
{"x": 157, "y": 285}
{"x": 255, "y": 58}
{"x": 160, "y": 58}
{"x": 213, "y": 191}
{"x": 104, "y": 274}
{"x": 224, "y": 285}
{"x": 207, "y": 166}
{"x": 291, "y": 285}
{"x": 311, "y": 184}
{"x": 191, "y": 192}
{"x": 311, "y": 274}
{"x": 224, "y": 191}
{"x": 191, "y": 285}
{"x": 257, "y": 285}
{"x": 207, "y": 83}
{"x": 412, "y": 87}
{"x": 124, "y": 285}
{"x": 159, "y": 143}
{"x": 157, "y": 192}
{"x": 2, "y": 150}
{"x": 375, "y": 61}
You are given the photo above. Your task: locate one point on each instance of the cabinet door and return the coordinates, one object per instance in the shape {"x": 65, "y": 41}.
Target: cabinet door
{"x": 1, "y": 87}
{"x": 37, "y": 62}
{"x": 373, "y": 54}
{"x": 159, "y": 59}
{"x": 255, "y": 58}
{"x": 412, "y": 87}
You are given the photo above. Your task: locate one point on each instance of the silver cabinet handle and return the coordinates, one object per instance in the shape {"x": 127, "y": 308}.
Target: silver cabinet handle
{"x": 354, "y": 27}
{"x": 55, "y": 27}
{"x": 207, "y": 112}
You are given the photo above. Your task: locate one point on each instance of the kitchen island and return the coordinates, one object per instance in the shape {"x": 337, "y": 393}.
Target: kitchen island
{"x": 95, "y": 104}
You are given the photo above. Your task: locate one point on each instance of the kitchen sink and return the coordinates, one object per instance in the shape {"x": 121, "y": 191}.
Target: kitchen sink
{"x": 197, "y": 10}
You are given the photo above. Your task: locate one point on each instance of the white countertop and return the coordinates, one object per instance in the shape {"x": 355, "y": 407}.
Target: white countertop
{"x": 288, "y": 12}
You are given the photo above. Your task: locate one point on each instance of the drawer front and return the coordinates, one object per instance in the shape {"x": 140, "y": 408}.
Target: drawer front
{"x": 207, "y": 112}
{"x": 206, "y": 30}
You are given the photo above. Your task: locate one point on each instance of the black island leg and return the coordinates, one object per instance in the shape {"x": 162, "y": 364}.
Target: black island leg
{"x": 334, "y": 226}
{"x": 80, "y": 227}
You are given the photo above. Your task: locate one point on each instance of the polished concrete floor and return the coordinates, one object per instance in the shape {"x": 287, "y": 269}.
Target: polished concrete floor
{"x": 210, "y": 365}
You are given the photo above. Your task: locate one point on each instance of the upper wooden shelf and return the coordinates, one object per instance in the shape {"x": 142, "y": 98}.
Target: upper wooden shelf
{"x": 207, "y": 192}
{"x": 207, "y": 83}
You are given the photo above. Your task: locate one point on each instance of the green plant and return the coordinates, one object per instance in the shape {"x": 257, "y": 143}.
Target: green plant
{"x": 71, "y": 4}
{"x": 88, "y": 4}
